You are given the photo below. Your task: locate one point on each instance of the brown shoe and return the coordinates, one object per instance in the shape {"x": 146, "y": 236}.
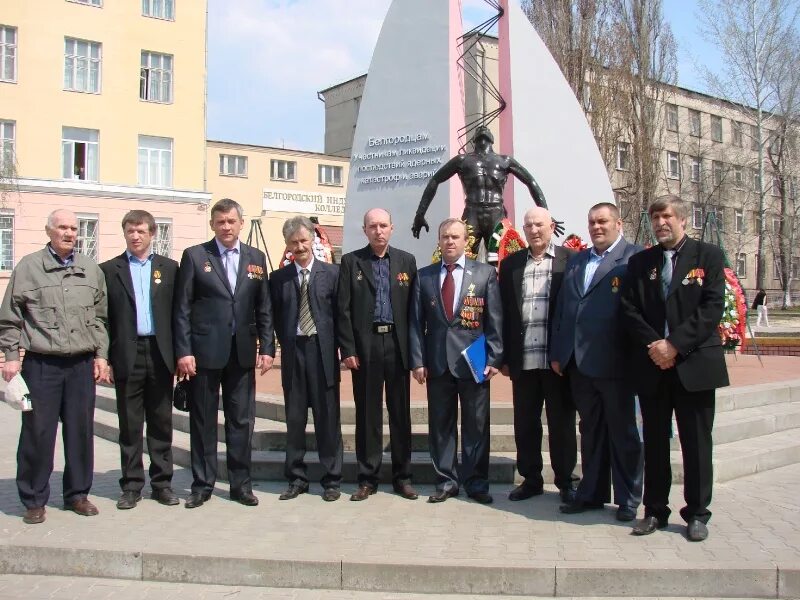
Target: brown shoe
{"x": 83, "y": 507}
{"x": 34, "y": 516}
{"x": 362, "y": 493}
{"x": 406, "y": 491}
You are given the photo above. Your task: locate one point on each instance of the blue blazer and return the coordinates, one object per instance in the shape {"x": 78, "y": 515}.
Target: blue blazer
{"x": 587, "y": 324}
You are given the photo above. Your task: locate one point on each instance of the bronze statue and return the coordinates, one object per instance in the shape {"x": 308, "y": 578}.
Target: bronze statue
{"x": 483, "y": 174}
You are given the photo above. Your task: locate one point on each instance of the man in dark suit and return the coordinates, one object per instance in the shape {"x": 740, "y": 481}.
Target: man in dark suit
{"x": 303, "y": 297}
{"x": 374, "y": 289}
{"x": 453, "y": 302}
{"x": 588, "y": 346}
{"x": 529, "y": 286}
{"x": 672, "y": 303}
{"x": 223, "y": 330}
{"x": 140, "y": 287}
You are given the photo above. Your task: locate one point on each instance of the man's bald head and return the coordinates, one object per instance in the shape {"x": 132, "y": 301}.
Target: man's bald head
{"x": 538, "y": 226}
{"x": 537, "y": 212}
{"x": 377, "y": 213}
{"x": 378, "y": 229}
{"x": 59, "y": 214}
{"x": 62, "y": 229}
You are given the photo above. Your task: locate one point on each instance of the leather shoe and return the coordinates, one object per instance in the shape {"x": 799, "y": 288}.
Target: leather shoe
{"x": 696, "y": 531}
{"x": 331, "y": 494}
{"x": 406, "y": 491}
{"x": 648, "y": 525}
{"x": 245, "y": 497}
{"x": 442, "y": 495}
{"x": 34, "y": 516}
{"x": 524, "y": 491}
{"x": 128, "y": 500}
{"x": 165, "y": 496}
{"x": 83, "y": 507}
{"x": 481, "y": 497}
{"x": 626, "y": 513}
{"x": 567, "y": 494}
{"x": 197, "y": 499}
{"x": 292, "y": 492}
{"x": 579, "y": 506}
{"x": 362, "y": 493}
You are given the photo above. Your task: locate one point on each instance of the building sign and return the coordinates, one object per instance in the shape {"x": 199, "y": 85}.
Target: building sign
{"x": 396, "y": 158}
{"x": 300, "y": 202}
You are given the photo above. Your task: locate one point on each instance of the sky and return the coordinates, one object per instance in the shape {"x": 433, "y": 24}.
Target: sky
{"x": 267, "y": 59}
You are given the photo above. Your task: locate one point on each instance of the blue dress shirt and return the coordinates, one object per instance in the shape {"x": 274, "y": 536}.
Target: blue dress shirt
{"x": 141, "y": 275}
{"x": 381, "y": 274}
{"x": 594, "y": 262}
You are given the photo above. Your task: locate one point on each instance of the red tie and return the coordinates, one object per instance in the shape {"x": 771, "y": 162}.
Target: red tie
{"x": 449, "y": 291}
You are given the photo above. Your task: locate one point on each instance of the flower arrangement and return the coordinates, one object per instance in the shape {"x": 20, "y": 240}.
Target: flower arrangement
{"x": 575, "y": 242}
{"x": 734, "y": 315}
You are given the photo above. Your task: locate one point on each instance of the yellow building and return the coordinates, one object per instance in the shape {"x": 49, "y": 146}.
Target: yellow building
{"x": 103, "y": 110}
{"x": 273, "y": 184}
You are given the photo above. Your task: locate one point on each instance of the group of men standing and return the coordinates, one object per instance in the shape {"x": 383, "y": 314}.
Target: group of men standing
{"x": 585, "y": 331}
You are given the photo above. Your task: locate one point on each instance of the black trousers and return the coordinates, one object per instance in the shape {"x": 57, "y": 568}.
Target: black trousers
{"x": 532, "y": 389}
{"x": 61, "y": 388}
{"x": 384, "y": 369}
{"x": 238, "y": 404}
{"x": 444, "y": 393}
{"x": 145, "y": 396}
{"x": 309, "y": 389}
{"x": 610, "y": 445}
{"x": 694, "y": 412}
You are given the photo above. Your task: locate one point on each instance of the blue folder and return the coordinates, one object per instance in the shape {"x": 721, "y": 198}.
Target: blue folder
{"x": 475, "y": 355}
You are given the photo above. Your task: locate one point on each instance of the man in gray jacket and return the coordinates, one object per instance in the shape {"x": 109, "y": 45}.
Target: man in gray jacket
{"x": 55, "y": 308}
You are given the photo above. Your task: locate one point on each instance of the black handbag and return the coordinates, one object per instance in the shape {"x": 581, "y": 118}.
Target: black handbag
{"x": 182, "y": 396}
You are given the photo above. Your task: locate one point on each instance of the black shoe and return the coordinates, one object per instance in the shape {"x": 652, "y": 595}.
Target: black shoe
{"x": 128, "y": 500}
{"x": 246, "y": 497}
{"x": 648, "y": 525}
{"x": 363, "y": 492}
{"x": 331, "y": 494}
{"x": 626, "y": 513}
{"x": 442, "y": 495}
{"x": 481, "y": 497}
{"x": 696, "y": 531}
{"x": 292, "y": 492}
{"x": 524, "y": 491}
{"x": 567, "y": 494}
{"x": 579, "y": 506}
{"x": 165, "y": 496}
{"x": 197, "y": 499}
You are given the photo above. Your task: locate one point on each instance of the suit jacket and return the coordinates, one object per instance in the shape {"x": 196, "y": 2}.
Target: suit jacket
{"x": 693, "y": 309}
{"x": 206, "y": 310}
{"x": 122, "y": 311}
{"x": 284, "y": 290}
{"x": 435, "y": 342}
{"x": 512, "y": 270}
{"x": 586, "y": 325}
{"x": 357, "y": 300}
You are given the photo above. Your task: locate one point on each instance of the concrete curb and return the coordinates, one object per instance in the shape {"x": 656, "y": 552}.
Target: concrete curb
{"x": 567, "y": 579}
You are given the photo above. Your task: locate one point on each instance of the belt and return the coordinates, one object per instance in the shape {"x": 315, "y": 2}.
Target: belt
{"x": 382, "y": 327}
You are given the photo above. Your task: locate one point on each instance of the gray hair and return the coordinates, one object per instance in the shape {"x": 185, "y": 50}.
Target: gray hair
{"x": 51, "y": 218}
{"x": 670, "y": 200}
{"x": 294, "y": 224}
{"x": 226, "y": 205}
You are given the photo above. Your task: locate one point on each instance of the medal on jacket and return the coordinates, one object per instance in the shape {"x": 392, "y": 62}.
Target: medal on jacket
{"x": 157, "y": 276}
{"x": 207, "y": 267}
{"x": 359, "y": 276}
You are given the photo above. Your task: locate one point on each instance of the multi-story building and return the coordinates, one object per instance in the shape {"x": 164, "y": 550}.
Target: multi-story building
{"x": 708, "y": 146}
{"x": 273, "y": 184}
{"x": 102, "y": 111}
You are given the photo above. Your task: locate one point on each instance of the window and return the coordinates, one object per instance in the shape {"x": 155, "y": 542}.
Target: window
{"x": 283, "y": 170}
{"x": 155, "y": 161}
{"x": 741, "y": 265}
{"x": 738, "y": 220}
{"x": 716, "y": 128}
{"x": 6, "y": 240}
{"x": 79, "y": 153}
{"x": 719, "y": 215}
{"x": 87, "y": 236}
{"x": 795, "y": 267}
{"x": 159, "y": 9}
{"x": 776, "y": 225}
{"x": 695, "y": 164}
{"x": 738, "y": 176}
{"x": 587, "y": 98}
{"x": 162, "y": 241}
{"x": 697, "y": 216}
{"x": 793, "y": 188}
{"x": 758, "y": 222}
{"x": 776, "y": 267}
{"x": 89, "y": 2}
{"x": 753, "y": 137}
{"x": 7, "y": 137}
{"x": 623, "y": 156}
{"x": 672, "y": 117}
{"x": 81, "y": 66}
{"x": 155, "y": 77}
{"x": 776, "y": 185}
{"x": 330, "y": 175}
{"x": 8, "y": 53}
{"x": 233, "y": 165}
{"x": 694, "y": 123}
{"x": 756, "y": 181}
{"x": 716, "y": 172}
{"x": 736, "y": 133}
{"x": 673, "y": 165}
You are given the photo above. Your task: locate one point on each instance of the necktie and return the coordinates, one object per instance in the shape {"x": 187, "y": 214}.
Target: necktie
{"x": 666, "y": 271}
{"x": 306, "y": 320}
{"x": 449, "y": 291}
{"x": 230, "y": 267}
